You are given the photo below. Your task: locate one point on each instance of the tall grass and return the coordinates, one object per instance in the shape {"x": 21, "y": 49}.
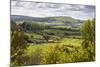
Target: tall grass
{"x": 50, "y": 53}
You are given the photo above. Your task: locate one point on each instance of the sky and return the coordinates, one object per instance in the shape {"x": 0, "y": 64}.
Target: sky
{"x": 42, "y": 9}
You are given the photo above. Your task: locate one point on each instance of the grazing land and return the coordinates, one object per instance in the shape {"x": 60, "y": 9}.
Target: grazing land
{"x": 51, "y": 40}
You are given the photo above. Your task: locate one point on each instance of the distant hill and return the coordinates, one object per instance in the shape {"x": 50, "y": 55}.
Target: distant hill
{"x": 43, "y": 19}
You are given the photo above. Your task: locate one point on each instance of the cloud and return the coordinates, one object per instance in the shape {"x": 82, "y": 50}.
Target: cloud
{"x": 39, "y": 9}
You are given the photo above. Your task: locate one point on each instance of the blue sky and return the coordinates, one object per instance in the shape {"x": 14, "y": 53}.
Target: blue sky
{"x": 40, "y": 9}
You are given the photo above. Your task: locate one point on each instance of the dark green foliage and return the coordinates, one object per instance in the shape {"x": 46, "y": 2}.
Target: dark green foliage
{"x": 88, "y": 35}
{"x": 18, "y": 41}
{"x": 29, "y": 26}
{"x": 88, "y": 30}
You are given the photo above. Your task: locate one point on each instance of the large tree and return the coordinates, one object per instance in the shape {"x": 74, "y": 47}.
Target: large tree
{"x": 18, "y": 40}
{"x": 88, "y": 30}
{"x": 88, "y": 35}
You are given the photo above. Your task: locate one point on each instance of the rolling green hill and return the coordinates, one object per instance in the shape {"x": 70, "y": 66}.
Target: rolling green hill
{"x": 44, "y": 19}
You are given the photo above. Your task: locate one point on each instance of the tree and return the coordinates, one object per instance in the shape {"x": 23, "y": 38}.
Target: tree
{"x": 18, "y": 40}
{"x": 31, "y": 26}
{"x": 88, "y": 35}
{"x": 88, "y": 30}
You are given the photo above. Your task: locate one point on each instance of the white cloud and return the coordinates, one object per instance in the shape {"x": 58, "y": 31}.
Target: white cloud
{"x": 37, "y": 9}
{"x": 13, "y": 3}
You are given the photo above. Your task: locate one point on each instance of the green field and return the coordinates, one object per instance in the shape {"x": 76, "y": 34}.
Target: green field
{"x": 65, "y": 41}
{"x": 34, "y": 43}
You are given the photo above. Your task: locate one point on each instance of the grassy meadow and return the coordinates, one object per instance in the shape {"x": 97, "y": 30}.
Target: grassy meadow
{"x": 34, "y": 43}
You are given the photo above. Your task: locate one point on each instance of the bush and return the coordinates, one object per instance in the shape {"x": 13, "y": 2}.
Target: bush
{"x": 18, "y": 41}
{"x": 88, "y": 35}
{"x": 52, "y": 54}
{"x": 61, "y": 54}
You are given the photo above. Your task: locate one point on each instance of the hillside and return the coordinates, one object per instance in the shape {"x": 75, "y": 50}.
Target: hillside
{"x": 44, "y": 19}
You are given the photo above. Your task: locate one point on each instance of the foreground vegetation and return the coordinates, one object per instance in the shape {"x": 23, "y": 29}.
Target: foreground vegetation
{"x": 33, "y": 43}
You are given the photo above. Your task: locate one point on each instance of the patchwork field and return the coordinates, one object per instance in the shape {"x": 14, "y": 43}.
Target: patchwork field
{"x": 35, "y": 43}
